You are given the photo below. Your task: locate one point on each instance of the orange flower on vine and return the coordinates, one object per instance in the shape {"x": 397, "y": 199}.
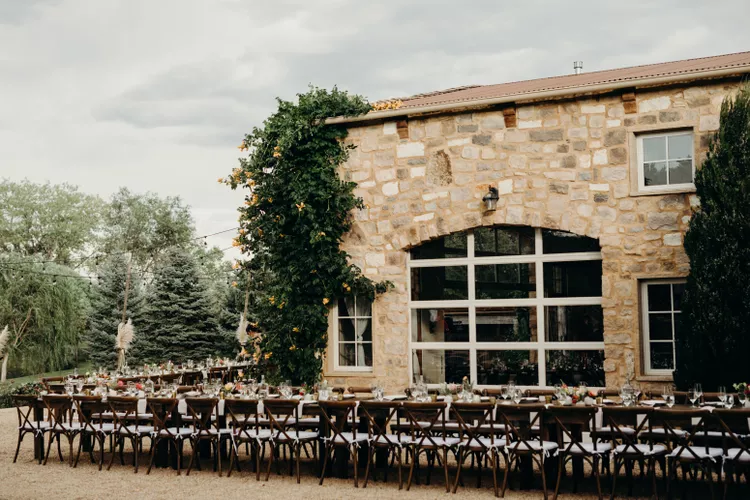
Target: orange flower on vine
{"x": 300, "y": 206}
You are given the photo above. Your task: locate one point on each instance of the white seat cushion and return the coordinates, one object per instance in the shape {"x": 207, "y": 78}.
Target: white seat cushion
{"x": 392, "y": 438}
{"x": 174, "y": 431}
{"x": 75, "y": 426}
{"x": 659, "y": 432}
{"x": 607, "y": 429}
{"x": 498, "y": 442}
{"x": 301, "y": 435}
{"x": 348, "y": 438}
{"x": 435, "y": 441}
{"x": 136, "y": 429}
{"x": 712, "y": 453}
{"x": 714, "y": 434}
{"x": 588, "y": 449}
{"x": 262, "y": 434}
{"x": 105, "y": 428}
{"x": 657, "y": 449}
{"x": 534, "y": 445}
{"x": 732, "y": 454}
{"x": 33, "y": 426}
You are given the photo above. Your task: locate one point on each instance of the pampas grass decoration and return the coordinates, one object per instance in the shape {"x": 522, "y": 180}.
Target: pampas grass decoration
{"x": 242, "y": 330}
{"x": 4, "y": 336}
{"x": 125, "y": 335}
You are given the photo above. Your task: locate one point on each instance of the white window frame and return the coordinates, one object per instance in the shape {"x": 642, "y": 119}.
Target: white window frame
{"x": 541, "y": 345}
{"x": 646, "y": 334}
{"x": 336, "y": 364}
{"x": 663, "y": 187}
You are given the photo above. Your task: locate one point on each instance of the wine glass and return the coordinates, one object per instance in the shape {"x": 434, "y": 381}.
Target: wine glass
{"x": 722, "y": 394}
{"x": 79, "y": 385}
{"x": 742, "y": 397}
{"x": 698, "y": 391}
{"x": 692, "y": 396}
{"x": 729, "y": 401}
{"x": 504, "y": 392}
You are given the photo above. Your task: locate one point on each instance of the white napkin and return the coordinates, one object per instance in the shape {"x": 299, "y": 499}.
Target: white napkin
{"x": 653, "y": 402}
{"x": 395, "y": 397}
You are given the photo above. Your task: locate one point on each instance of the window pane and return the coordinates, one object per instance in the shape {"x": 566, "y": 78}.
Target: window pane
{"x": 364, "y": 306}
{"x": 506, "y": 324}
{"x": 574, "y": 323}
{"x": 490, "y": 241}
{"x": 655, "y": 174}
{"x": 564, "y": 242}
{"x": 660, "y": 326}
{"x": 439, "y": 366}
{"x": 678, "y": 289}
{"x": 654, "y": 148}
{"x": 346, "y": 330}
{"x": 346, "y": 306}
{"x": 661, "y": 356}
{"x": 680, "y": 146}
{"x": 573, "y": 279}
{"x": 658, "y": 297}
{"x": 347, "y": 356}
{"x": 364, "y": 356}
{"x": 440, "y": 325}
{"x": 505, "y": 281}
{"x": 681, "y": 172}
{"x": 452, "y": 245}
{"x": 677, "y": 324}
{"x": 364, "y": 330}
{"x": 439, "y": 283}
{"x": 574, "y": 367}
{"x": 500, "y": 367}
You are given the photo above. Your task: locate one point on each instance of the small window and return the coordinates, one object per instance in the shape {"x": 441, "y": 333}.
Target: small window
{"x": 661, "y": 306}
{"x": 353, "y": 334}
{"x": 665, "y": 161}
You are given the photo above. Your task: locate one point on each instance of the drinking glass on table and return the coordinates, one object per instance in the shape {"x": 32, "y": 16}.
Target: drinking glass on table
{"x": 79, "y": 385}
{"x": 722, "y": 394}
{"x": 698, "y": 391}
{"x": 253, "y": 385}
{"x": 504, "y": 392}
{"x": 668, "y": 395}
{"x": 742, "y": 397}
{"x": 729, "y": 401}
{"x": 516, "y": 395}
{"x": 693, "y": 396}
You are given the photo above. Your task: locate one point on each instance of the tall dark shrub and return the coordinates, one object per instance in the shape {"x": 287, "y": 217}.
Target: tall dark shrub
{"x": 714, "y": 346}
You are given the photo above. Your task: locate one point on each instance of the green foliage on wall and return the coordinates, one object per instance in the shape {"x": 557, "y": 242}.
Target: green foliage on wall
{"x": 713, "y": 345}
{"x": 292, "y": 225}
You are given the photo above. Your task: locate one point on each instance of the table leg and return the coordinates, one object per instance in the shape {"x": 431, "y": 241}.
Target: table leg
{"x": 39, "y": 438}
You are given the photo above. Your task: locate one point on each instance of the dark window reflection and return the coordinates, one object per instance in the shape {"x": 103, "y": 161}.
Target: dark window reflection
{"x": 506, "y": 324}
{"x": 438, "y": 366}
{"x": 563, "y": 242}
{"x": 501, "y": 367}
{"x": 505, "y": 281}
{"x": 439, "y": 283}
{"x": 440, "y": 325}
{"x": 492, "y": 241}
{"x": 573, "y": 279}
{"x": 574, "y": 367}
{"x": 452, "y": 245}
{"x": 574, "y": 323}
{"x": 661, "y": 356}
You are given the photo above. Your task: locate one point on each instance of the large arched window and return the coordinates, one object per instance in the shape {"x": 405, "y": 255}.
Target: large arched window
{"x": 507, "y": 303}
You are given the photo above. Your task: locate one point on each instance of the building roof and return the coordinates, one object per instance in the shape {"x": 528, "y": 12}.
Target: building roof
{"x": 558, "y": 86}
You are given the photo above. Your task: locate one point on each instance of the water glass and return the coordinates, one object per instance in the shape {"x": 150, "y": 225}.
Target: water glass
{"x": 742, "y": 397}
{"x": 698, "y": 391}
{"x": 722, "y": 394}
{"x": 505, "y": 392}
{"x": 728, "y": 401}
{"x": 693, "y": 396}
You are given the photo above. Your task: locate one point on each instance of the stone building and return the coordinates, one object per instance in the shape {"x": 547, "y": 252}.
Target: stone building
{"x": 577, "y": 273}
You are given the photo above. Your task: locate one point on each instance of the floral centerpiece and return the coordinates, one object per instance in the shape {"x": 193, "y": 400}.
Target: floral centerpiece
{"x": 303, "y": 390}
{"x": 578, "y": 394}
{"x": 742, "y": 388}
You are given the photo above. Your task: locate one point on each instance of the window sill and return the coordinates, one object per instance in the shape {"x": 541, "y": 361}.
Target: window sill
{"x": 654, "y": 378}
{"x": 356, "y": 373}
{"x": 663, "y": 191}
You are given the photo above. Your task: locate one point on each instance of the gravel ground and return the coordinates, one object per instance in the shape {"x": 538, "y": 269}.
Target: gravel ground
{"x": 27, "y": 480}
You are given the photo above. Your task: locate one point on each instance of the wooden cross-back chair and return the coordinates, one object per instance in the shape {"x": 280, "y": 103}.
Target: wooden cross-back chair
{"x": 735, "y": 425}
{"x": 337, "y": 417}
{"x": 379, "y": 415}
{"x": 519, "y": 420}
{"x": 624, "y": 424}
{"x": 163, "y": 411}
{"x": 283, "y": 420}
{"x": 127, "y": 426}
{"x": 90, "y": 411}
{"x": 570, "y": 423}
{"x": 204, "y": 413}
{"x": 476, "y": 428}
{"x": 244, "y": 421}
{"x": 28, "y": 407}
{"x": 60, "y": 412}
{"x": 428, "y": 435}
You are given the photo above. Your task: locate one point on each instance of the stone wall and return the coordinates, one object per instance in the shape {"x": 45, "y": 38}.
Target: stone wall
{"x": 566, "y": 165}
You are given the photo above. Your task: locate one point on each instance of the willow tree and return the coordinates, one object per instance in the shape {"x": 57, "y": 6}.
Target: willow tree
{"x": 713, "y": 345}
{"x": 45, "y": 309}
{"x": 296, "y": 213}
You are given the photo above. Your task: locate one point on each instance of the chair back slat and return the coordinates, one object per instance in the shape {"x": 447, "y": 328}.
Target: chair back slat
{"x": 90, "y": 412}
{"x": 201, "y": 410}
{"x": 339, "y": 415}
{"x": 162, "y": 410}
{"x": 282, "y": 415}
{"x": 633, "y": 417}
{"x": 243, "y": 416}
{"x": 379, "y": 415}
{"x": 474, "y": 416}
{"x": 426, "y": 421}
{"x": 570, "y": 423}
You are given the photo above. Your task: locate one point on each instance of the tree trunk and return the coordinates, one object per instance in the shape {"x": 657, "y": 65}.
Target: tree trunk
{"x": 4, "y": 370}
{"x": 127, "y": 290}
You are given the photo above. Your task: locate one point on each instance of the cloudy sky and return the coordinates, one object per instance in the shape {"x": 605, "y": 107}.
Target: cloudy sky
{"x": 156, "y": 94}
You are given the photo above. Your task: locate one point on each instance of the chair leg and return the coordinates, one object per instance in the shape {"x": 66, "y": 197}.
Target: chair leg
{"x": 80, "y": 446}
{"x": 59, "y": 448}
{"x": 400, "y": 464}
{"x": 495, "y": 459}
{"x": 49, "y": 445}
{"x": 459, "y": 466}
{"x": 445, "y": 469}
{"x": 112, "y": 458}
{"x": 370, "y": 455}
{"x": 597, "y": 474}
{"x": 71, "y": 439}
{"x": 544, "y": 478}
{"x": 194, "y": 444}
{"x": 355, "y": 453}
{"x": 218, "y": 454}
{"x": 560, "y": 467}
{"x": 153, "y": 455}
{"x": 271, "y": 454}
{"x": 21, "y": 434}
{"x": 508, "y": 465}
{"x": 414, "y": 459}
{"x": 325, "y": 465}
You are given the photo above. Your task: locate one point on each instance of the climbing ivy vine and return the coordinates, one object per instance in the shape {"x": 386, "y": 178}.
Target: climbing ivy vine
{"x": 291, "y": 226}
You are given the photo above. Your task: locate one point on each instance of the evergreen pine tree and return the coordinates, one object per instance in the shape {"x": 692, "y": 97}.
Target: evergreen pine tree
{"x": 178, "y": 323}
{"x": 106, "y": 304}
{"x": 713, "y": 345}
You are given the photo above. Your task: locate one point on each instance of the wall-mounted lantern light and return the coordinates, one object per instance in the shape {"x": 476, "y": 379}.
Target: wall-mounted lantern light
{"x": 490, "y": 200}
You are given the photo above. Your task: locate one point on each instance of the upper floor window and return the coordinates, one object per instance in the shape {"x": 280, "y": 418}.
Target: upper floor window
{"x": 665, "y": 161}
{"x": 661, "y": 307}
{"x": 353, "y": 333}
